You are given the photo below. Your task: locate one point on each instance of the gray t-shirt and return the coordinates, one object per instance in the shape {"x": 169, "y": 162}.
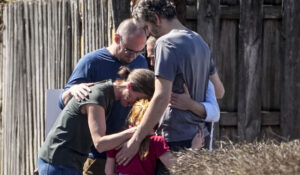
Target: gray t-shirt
{"x": 69, "y": 141}
{"x": 182, "y": 56}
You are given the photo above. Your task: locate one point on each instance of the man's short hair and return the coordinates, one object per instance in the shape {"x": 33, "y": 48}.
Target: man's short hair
{"x": 146, "y": 10}
{"x": 129, "y": 27}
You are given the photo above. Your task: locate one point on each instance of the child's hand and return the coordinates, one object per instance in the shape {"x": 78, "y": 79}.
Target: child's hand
{"x": 198, "y": 140}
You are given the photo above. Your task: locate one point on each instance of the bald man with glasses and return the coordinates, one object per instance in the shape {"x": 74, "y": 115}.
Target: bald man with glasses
{"x": 130, "y": 51}
{"x": 126, "y": 49}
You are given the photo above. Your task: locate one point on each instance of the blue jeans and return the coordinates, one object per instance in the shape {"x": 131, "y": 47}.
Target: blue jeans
{"x": 46, "y": 168}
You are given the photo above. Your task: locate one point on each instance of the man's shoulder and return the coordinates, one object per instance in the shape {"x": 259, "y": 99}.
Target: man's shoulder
{"x": 97, "y": 55}
{"x": 178, "y": 36}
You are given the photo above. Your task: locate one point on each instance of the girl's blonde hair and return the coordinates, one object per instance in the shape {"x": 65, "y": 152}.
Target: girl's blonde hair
{"x": 137, "y": 112}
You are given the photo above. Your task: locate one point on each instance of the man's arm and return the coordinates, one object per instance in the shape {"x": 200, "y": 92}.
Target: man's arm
{"x": 208, "y": 110}
{"x": 185, "y": 102}
{"x": 157, "y": 106}
{"x": 219, "y": 88}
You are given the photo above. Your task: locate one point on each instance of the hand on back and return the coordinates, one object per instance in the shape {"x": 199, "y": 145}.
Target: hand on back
{"x": 181, "y": 101}
{"x": 81, "y": 91}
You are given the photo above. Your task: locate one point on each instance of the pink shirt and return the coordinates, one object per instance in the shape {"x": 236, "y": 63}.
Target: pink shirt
{"x": 157, "y": 147}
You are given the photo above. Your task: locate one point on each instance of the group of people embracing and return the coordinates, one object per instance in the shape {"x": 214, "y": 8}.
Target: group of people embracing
{"x": 120, "y": 117}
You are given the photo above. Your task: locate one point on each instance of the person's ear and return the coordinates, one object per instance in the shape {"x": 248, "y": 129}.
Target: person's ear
{"x": 117, "y": 38}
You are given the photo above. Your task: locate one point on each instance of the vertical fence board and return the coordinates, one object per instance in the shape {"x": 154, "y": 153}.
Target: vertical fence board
{"x": 58, "y": 44}
{"x": 290, "y": 113}
{"x": 271, "y": 74}
{"x": 295, "y": 38}
{"x": 40, "y": 72}
{"x": 181, "y": 10}
{"x": 6, "y": 53}
{"x": 249, "y": 107}
{"x": 67, "y": 69}
{"x": 76, "y": 32}
{"x": 21, "y": 95}
{"x": 227, "y": 64}
{"x": 8, "y": 41}
{"x": 271, "y": 66}
{"x": 229, "y": 133}
{"x": 93, "y": 23}
{"x": 208, "y": 27}
{"x": 63, "y": 41}
{"x": 101, "y": 24}
{"x": 29, "y": 94}
{"x": 106, "y": 31}
{"x": 15, "y": 79}
{"x": 96, "y": 26}
{"x": 121, "y": 11}
{"x": 208, "y": 22}
{"x": 2, "y": 52}
{"x": 84, "y": 27}
{"x": 110, "y": 23}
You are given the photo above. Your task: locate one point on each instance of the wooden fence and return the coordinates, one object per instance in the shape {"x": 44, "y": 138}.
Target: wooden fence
{"x": 255, "y": 45}
{"x": 43, "y": 41}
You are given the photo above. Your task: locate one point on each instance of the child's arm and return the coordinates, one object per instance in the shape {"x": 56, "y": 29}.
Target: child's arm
{"x": 110, "y": 166}
{"x": 168, "y": 159}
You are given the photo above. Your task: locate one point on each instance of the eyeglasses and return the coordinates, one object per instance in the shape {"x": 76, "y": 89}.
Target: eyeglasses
{"x": 130, "y": 51}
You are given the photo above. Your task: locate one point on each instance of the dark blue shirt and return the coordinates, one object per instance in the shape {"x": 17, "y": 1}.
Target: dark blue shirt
{"x": 97, "y": 66}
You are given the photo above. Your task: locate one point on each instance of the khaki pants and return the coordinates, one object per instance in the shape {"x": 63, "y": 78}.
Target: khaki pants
{"x": 94, "y": 167}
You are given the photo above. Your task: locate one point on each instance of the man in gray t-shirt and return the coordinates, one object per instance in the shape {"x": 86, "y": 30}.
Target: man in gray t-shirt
{"x": 181, "y": 57}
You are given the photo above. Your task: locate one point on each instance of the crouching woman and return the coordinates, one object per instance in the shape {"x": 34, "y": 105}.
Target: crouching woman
{"x": 83, "y": 123}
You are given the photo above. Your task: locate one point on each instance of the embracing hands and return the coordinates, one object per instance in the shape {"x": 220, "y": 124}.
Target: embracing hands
{"x": 80, "y": 91}
{"x": 128, "y": 151}
{"x": 181, "y": 101}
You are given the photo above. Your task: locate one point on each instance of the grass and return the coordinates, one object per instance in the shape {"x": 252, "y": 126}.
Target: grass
{"x": 238, "y": 159}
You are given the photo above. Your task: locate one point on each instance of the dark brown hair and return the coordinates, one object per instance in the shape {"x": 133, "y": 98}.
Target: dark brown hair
{"x": 142, "y": 80}
{"x": 146, "y": 10}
